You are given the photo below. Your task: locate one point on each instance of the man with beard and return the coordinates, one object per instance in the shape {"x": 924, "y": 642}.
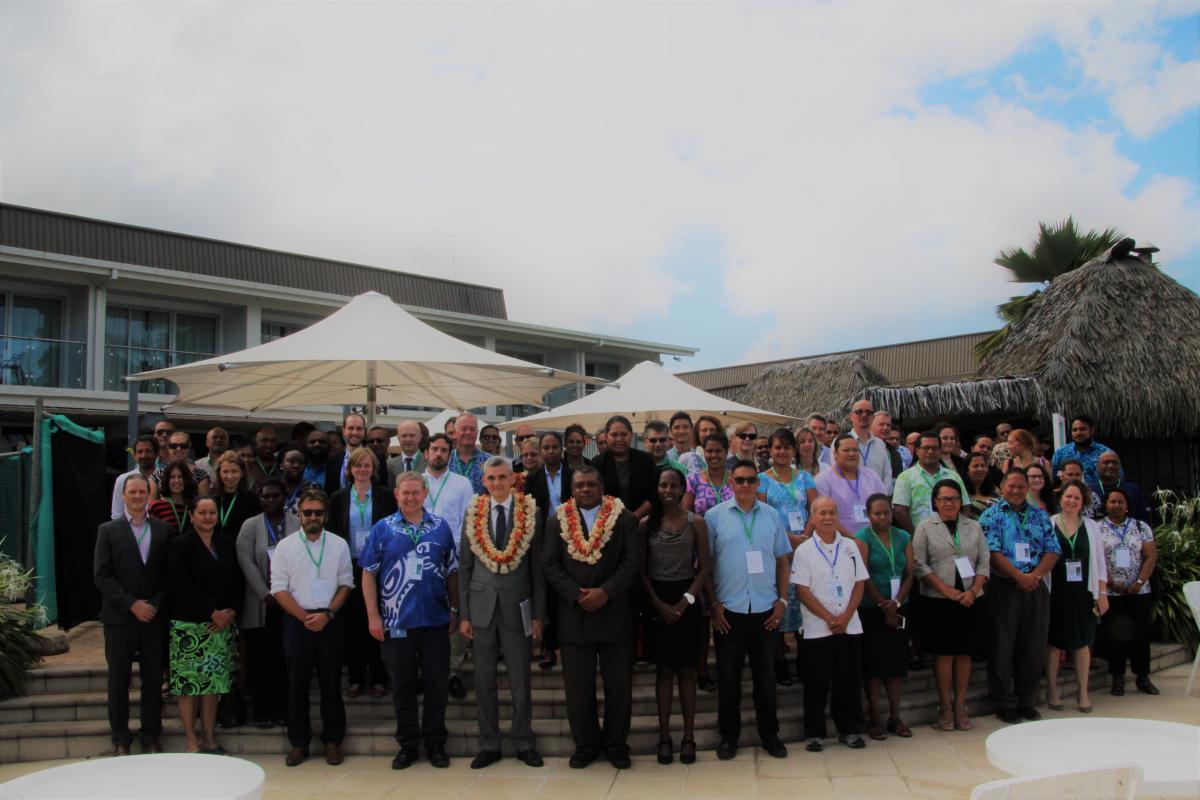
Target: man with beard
{"x": 145, "y": 453}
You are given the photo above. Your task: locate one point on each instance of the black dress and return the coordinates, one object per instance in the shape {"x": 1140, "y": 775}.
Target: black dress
{"x": 1072, "y": 621}
{"x": 670, "y": 566}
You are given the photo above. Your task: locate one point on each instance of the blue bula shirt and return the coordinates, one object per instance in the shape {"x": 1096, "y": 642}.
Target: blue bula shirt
{"x": 1029, "y": 531}
{"x": 472, "y": 470}
{"x": 411, "y": 564}
{"x": 744, "y": 548}
{"x": 1088, "y": 456}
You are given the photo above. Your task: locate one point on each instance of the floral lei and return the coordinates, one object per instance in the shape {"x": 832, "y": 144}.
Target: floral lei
{"x": 589, "y": 549}
{"x": 519, "y": 538}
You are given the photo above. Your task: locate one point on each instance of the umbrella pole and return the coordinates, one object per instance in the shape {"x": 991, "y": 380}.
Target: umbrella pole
{"x": 372, "y": 388}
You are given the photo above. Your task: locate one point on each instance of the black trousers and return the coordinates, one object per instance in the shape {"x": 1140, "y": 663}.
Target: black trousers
{"x": 550, "y": 630}
{"x": 1020, "y": 625}
{"x": 305, "y": 650}
{"x": 1125, "y": 634}
{"x": 746, "y": 637}
{"x": 364, "y": 662}
{"x": 423, "y": 652}
{"x": 833, "y": 676}
{"x": 579, "y": 676}
{"x": 267, "y": 669}
{"x": 147, "y": 642}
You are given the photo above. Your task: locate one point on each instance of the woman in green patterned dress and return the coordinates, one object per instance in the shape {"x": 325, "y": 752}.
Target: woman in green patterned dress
{"x": 206, "y": 594}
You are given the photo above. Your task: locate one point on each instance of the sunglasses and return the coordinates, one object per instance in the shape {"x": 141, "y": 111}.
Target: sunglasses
{"x": 861, "y": 412}
{"x": 745, "y": 480}
{"x": 379, "y": 441}
{"x": 747, "y": 436}
{"x": 523, "y": 438}
{"x": 657, "y": 440}
{"x": 312, "y": 512}
{"x": 177, "y": 446}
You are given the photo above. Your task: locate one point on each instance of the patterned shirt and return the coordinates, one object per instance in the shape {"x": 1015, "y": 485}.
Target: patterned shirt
{"x": 471, "y": 470}
{"x": 705, "y": 495}
{"x": 788, "y": 497}
{"x": 1088, "y": 456}
{"x": 1005, "y": 529}
{"x": 411, "y": 564}
{"x": 914, "y": 489}
{"x": 1128, "y": 537}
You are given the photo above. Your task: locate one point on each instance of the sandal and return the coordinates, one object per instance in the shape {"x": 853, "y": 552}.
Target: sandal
{"x": 687, "y": 751}
{"x": 961, "y": 721}
{"x": 876, "y": 732}
{"x": 378, "y": 690}
{"x": 899, "y": 728}
{"x": 945, "y": 720}
{"x": 354, "y": 690}
{"x": 665, "y": 750}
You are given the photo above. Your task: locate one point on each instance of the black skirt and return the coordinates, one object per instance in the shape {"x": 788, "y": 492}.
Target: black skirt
{"x": 885, "y": 650}
{"x": 677, "y": 644}
{"x": 949, "y": 629}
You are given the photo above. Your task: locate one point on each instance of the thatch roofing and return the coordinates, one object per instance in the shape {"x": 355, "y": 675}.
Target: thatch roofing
{"x": 1116, "y": 339}
{"x": 825, "y": 385}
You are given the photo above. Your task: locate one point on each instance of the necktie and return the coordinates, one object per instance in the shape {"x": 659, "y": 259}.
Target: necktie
{"x": 500, "y": 534}
{"x": 408, "y": 463}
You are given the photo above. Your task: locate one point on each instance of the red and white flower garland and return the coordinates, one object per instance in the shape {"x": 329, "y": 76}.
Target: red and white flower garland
{"x": 588, "y": 549}
{"x": 519, "y": 538}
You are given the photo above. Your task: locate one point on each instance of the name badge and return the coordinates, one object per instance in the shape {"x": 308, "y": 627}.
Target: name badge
{"x": 965, "y": 567}
{"x": 895, "y": 588}
{"x": 321, "y": 592}
{"x": 795, "y": 521}
{"x": 397, "y": 633}
{"x": 413, "y": 566}
{"x": 754, "y": 562}
{"x": 837, "y": 592}
{"x": 1122, "y": 558}
{"x": 360, "y": 541}
{"x": 1075, "y": 571}
{"x": 1022, "y": 551}
{"x": 860, "y": 512}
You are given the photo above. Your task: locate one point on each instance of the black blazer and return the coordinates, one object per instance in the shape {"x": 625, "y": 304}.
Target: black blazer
{"x": 616, "y": 572}
{"x": 337, "y": 515}
{"x": 200, "y": 584}
{"x": 535, "y": 487}
{"x": 120, "y": 575}
{"x": 641, "y": 477}
{"x": 245, "y": 506}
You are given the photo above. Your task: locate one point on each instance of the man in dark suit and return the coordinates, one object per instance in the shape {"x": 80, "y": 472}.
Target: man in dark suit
{"x": 354, "y": 432}
{"x": 627, "y": 473}
{"x": 550, "y": 486}
{"x": 593, "y": 580}
{"x": 497, "y": 606}
{"x": 130, "y": 569}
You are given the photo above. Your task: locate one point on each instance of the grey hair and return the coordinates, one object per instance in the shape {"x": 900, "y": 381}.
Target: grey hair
{"x": 497, "y": 461}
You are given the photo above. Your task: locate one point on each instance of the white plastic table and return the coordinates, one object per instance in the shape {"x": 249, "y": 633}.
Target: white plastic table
{"x": 175, "y": 775}
{"x": 1168, "y": 752}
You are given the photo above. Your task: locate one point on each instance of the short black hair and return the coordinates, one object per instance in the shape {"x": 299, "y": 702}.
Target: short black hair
{"x": 575, "y": 427}
{"x": 875, "y": 498}
{"x": 554, "y": 434}
{"x": 942, "y": 484}
{"x": 719, "y": 438}
{"x": 1085, "y": 419}
{"x": 678, "y": 415}
{"x": 618, "y": 419}
{"x": 784, "y": 436}
{"x": 744, "y": 463}
{"x": 442, "y": 437}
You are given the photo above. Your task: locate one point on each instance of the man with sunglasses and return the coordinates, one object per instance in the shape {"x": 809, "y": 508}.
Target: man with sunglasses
{"x": 377, "y": 441}
{"x": 521, "y": 434}
{"x": 179, "y": 445}
{"x": 657, "y": 437}
{"x": 311, "y": 578}
{"x": 750, "y": 552}
{"x": 873, "y": 450}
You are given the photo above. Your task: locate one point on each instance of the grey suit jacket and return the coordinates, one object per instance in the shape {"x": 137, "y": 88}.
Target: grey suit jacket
{"x": 484, "y": 594}
{"x": 256, "y": 567}
{"x": 395, "y": 466}
{"x": 120, "y": 575}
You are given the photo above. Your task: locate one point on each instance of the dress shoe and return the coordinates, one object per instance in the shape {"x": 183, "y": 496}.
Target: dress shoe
{"x": 121, "y": 750}
{"x": 620, "y": 760}
{"x": 1008, "y": 715}
{"x": 531, "y": 758}
{"x": 485, "y": 759}
{"x": 1144, "y": 685}
{"x": 548, "y": 662}
{"x": 726, "y": 750}
{"x": 1029, "y": 712}
{"x": 296, "y": 756}
{"x": 581, "y": 759}
{"x": 1118, "y": 687}
{"x": 457, "y": 690}
{"x": 405, "y": 758}
{"x": 774, "y": 747}
{"x": 333, "y": 754}
{"x": 438, "y": 757}
{"x": 153, "y": 746}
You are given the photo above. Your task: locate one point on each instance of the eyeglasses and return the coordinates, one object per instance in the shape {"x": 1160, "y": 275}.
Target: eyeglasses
{"x": 522, "y": 438}
{"x": 312, "y": 512}
{"x": 742, "y": 481}
{"x": 177, "y": 446}
{"x": 657, "y": 440}
{"x": 947, "y": 500}
{"x": 379, "y": 441}
{"x": 748, "y": 437}
{"x": 862, "y": 412}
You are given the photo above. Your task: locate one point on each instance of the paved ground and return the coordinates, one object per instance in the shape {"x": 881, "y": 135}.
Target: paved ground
{"x": 930, "y": 765}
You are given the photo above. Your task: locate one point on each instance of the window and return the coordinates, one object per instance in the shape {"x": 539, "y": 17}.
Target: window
{"x": 600, "y": 369}
{"x": 139, "y": 339}
{"x": 518, "y": 411}
{"x": 277, "y": 330}
{"x": 32, "y": 350}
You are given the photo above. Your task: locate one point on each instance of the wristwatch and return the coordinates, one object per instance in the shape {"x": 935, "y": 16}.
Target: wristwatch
{"x": 453, "y": 609}
{"x": 691, "y": 598}
{"x": 329, "y": 612}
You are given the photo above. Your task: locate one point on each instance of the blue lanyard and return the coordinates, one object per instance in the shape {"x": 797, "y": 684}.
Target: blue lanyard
{"x": 867, "y": 455}
{"x": 272, "y": 535}
{"x": 853, "y": 486}
{"x": 1123, "y": 532}
{"x": 837, "y": 550}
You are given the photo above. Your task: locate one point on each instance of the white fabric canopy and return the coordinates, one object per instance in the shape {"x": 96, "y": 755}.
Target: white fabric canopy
{"x": 644, "y": 393}
{"x": 369, "y": 351}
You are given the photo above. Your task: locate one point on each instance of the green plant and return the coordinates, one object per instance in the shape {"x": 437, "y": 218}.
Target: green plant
{"x": 18, "y": 639}
{"x": 1177, "y": 540}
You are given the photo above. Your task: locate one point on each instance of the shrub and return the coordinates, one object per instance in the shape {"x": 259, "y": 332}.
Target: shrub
{"x": 1177, "y": 540}
{"x": 19, "y": 642}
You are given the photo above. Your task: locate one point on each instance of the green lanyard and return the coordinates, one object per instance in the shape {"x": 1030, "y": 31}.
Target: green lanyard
{"x": 891, "y": 551}
{"x": 265, "y": 471}
{"x": 749, "y": 529}
{"x": 788, "y": 487}
{"x": 414, "y": 532}
{"x": 434, "y": 501}
{"x": 718, "y": 489}
{"x": 227, "y": 512}
{"x": 1071, "y": 539}
{"x": 141, "y": 537}
{"x": 361, "y": 506}
{"x": 957, "y": 547}
{"x": 175, "y": 513}
{"x": 316, "y": 561}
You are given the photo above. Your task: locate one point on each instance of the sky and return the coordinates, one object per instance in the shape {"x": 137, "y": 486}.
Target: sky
{"x": 755, "y": 180}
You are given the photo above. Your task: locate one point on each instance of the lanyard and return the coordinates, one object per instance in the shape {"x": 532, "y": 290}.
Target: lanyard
{"x": 1123, "y": 532}
{"x": 228, "y": 511}
{"x": 1020, "y": 518}
{"x": 316, "y": 561}
{"x": 749, "y": 529}
{"x": 265, "y": 471}
{"x": 717, "y": 490}
{"x": 272, "y": 534}
{"x": 930, "y": 480}
{"x": 361, "y": 505}
{"x": 788, "y": 487}
{"x": 837, "y": 549}
{"x": 853, "y": 486}
{"x": 866, "y": 455}
{"x": 291, "y": 501}
{"x": 1071, "y": 539}
{"x": 414, "y": 531}
{"x": 140, "y": 536}
{"x": 433, "y": 501}
{"x": 181, "y": 523}
{"x": 891, "y": 551}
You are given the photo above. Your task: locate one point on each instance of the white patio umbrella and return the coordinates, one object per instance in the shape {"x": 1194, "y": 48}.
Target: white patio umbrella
{"x": 371, "y": 351}
{"x": 644, "y": 393}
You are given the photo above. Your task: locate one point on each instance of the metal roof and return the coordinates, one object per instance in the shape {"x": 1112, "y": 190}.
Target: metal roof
{"x": 950, "y": 358}
{"x": 52, "y": 232}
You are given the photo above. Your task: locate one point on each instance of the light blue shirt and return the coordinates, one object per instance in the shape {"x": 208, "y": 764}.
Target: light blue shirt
{"x": 554, "y": 487}
{"x": 360, "y": 522}
{"x": 738, "y": 541}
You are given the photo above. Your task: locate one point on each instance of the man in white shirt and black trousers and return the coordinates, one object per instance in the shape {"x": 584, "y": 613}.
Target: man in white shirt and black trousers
{"x": 311, "y": 577}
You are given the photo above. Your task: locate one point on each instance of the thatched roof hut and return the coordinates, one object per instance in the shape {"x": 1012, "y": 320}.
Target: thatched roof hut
{"x": 826, "y": 385}
{"x": 1116, "y": 339}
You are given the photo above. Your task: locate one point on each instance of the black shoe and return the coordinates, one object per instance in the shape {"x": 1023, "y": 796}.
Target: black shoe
{"x": 457, "y": 690}
{"x": 485, "y": 759}
{"x": 437, "y": 755}
{"x": 405, "y": 758}
{"x": 814, "y": 745}
{"x": 853, "y": 741}
{"x": 726, "y": 750}
{"x": 784, "y": 680}
{"x": 1029, "y": 712}
{"x": 774, "y": 747}
{"x": 1008, "y": 715}
{"x": 620, "y": 760}
{"x": 705, "y": 684}
{"x": 581, "y": 759}
{"x": 531, "y": 758}
{"x": 548, "y": 662}
{"x": 1118, "y": 687}
{"x": 1144, "y": 685}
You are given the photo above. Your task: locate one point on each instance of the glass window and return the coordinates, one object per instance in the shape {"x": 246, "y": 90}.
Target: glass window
{"x": 31, "y": 348}
{"x": 277, "y": 330}
{"x": 138, "y": 339}
{"x": 600, "y": 369}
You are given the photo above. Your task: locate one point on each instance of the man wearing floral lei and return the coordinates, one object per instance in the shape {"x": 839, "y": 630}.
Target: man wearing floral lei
{"x": 591, "y": 559}
{"x": 467, "y": 459}
{"x": 410, "y": 589}
{"x": 503, "y": 603}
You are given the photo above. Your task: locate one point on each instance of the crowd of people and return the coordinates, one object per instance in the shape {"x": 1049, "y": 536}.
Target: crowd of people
{"x": 260, "y": 564}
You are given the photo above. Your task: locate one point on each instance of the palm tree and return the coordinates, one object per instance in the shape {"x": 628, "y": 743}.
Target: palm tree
{"x": 1058, "y": 250}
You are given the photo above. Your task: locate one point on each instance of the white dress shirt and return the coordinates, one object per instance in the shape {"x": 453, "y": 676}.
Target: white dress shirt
{"x": 294, "y": 568}
{"x": 449, "y": 495}
{"x": 830, "y": 572}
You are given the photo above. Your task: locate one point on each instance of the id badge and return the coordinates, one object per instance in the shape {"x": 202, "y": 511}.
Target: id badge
{"x": 321, "y": 592}
{"x": 1122, "y": 559}
{"x": 413, "y": 566}
{"x": 360, "y": 541}
{"x": 965, "y": 567}
{"x": 795, "y": 521}
{"x": 754, "y": 562}
{"x": 1021, "y": 551}
{"x": 895, "y": 588}
{"x": 1075, "y": 571}
{"x": 860, "y": 512}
